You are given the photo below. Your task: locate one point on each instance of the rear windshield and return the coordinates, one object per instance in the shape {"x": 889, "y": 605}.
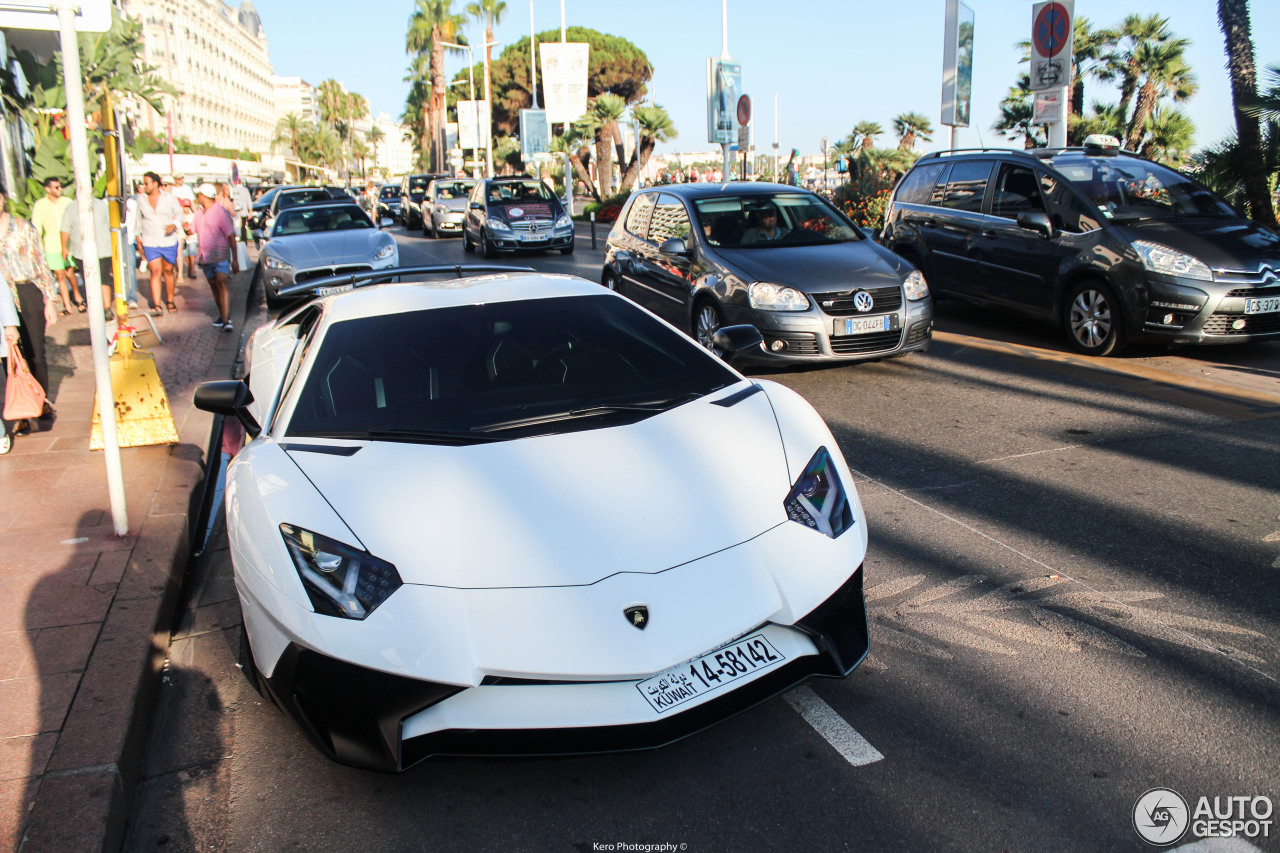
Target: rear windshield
{"x": 454, "y": 189}
{"x": 500, "y": 371}
{"x": 417, "y": 185}
{"x": 290, "y": 199}
{"x": 1126, "y": 188}
{"x": 390, "y": 192}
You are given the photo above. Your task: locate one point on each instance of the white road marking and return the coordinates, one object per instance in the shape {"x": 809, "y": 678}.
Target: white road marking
{"x": 843, "y": 737}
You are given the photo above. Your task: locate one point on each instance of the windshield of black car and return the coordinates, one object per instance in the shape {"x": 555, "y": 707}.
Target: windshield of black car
{"x": 764, "y": 221}
{"x": 390, "y": 192}
{"x": 1129, "y": 188}
{"x": 516, "y": 192}
{"x": 453, "y": 189}
{"x": 291, "y": 199}
{"x": 501, "y": 370}
{"x": 314, "y": 220}
{"x": 418, "y": 185}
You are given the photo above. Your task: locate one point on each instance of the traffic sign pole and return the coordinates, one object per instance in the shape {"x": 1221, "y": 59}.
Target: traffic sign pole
{"x": 1052, "y": 24}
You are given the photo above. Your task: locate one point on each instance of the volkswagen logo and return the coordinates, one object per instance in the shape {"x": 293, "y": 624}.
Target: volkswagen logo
{"x": 637, "y": 616}
{"x": 863, "y": 301}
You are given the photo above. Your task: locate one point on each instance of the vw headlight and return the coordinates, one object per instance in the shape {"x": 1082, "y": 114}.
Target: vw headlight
{"x": 915, "y": 287}
{"x": 775, "y": 297}
{"x": 271, "y": 262}
{"x": 385, "y": 252}
{"x": 497, "y": 225}
{"x": 339, "y": 580}
{"x": 817, "y": 500}
{"x": 1162, "y": 259}
{"x": 564, "y": 222}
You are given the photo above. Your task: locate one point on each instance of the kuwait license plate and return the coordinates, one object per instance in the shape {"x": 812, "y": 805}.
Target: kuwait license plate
{"x": 1266, "y": 305}
{"x": 337, "y": 288}
{"x": 865, "y": 325}
{"x": 709, "y": 673}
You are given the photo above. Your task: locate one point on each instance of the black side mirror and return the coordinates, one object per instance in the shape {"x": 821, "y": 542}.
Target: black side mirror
{"x": 230, "y": 398}
{"x": 735, "y": 339}
{"x": 475, "y": 205}
{"x": 1038, "y": 221}
{"x": 674, "y": 246}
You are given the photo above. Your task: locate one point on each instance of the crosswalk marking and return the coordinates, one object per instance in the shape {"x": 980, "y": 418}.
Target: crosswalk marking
{"x": 843, "y": 737}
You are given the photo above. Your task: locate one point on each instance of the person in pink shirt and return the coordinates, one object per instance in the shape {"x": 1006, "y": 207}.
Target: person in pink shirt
{"x": 216, "y": 238}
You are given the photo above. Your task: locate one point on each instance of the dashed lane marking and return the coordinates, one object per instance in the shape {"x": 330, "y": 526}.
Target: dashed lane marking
{"x": 843, "y": 737}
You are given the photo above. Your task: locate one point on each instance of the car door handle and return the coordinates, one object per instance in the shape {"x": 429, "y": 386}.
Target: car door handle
{"x": 987, "y": 232}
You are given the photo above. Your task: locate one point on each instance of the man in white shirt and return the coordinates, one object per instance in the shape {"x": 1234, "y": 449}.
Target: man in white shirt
{"x": 159, "y": 221}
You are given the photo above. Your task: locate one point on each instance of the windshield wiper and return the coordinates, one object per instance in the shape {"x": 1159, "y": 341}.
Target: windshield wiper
{"x": 648, "y": 408}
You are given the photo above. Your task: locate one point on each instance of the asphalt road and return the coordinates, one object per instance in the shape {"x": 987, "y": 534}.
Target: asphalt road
{"x": 1071, "y": 581}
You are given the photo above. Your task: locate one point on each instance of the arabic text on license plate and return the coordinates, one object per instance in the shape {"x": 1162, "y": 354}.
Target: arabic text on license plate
{"x": 1267, "y": 305}
{"x": 710, "y": 672}
{"x": 863, "y": 325}
{"x": 337, "y": 288}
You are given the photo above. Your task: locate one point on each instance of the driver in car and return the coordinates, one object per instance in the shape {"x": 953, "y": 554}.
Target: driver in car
{"x": 766, "y": 228}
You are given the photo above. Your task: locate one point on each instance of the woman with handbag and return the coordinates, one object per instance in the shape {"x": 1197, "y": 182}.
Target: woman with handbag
{"x": 34, "y": 292}
{"x": 9, "y": 322}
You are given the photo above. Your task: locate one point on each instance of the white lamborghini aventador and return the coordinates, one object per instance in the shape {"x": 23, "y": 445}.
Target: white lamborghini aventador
{"x": 516, "y": 514}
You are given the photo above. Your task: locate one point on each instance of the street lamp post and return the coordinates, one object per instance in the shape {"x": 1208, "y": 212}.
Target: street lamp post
{"x": 471, "y": 85}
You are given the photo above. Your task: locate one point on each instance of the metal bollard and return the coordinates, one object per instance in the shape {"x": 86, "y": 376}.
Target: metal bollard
{"x": 593, "y": 229}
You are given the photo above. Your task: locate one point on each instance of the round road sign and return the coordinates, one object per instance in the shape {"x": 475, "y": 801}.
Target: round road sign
{"x": 1051, "y": 30}
{"x": 744, "y": 109}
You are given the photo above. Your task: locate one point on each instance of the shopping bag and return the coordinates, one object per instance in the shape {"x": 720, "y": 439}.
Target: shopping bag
{"x": 242, "y": 255}
{"x": 23, "y": 396}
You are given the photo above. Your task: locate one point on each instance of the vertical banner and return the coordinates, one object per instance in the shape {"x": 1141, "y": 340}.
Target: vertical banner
{"x": 1051, "y": 47}
{"x": 724, "y": 84}
{"x": 469, "y": 124}
{"x": 535, "y": 134}
{"x": 957, "y": 64}
{"x": 564, "y": 80}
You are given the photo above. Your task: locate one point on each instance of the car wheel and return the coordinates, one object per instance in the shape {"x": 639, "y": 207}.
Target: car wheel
{"x": 467, "y": 245}
{"x": 612, "y": 282}
{"x": 486, "y": 247}
{"x": 427, "y": 231}
{"x": 707, "y": 320}
{"x": 1093, "y": 320}
{"x": 567, "y": 250}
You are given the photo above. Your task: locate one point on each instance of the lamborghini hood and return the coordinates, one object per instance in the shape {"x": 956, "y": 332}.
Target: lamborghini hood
{"x": 563, "y": 510}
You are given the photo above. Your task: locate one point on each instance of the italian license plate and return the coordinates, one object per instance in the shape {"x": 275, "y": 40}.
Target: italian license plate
{"x": 864, "y": 325}
{"x": 709, "y": 673}
{"x": 337, "y": 288}
{"x": 1267, "y": 305}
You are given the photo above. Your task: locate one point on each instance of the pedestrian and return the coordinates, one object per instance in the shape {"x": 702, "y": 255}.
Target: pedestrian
{"x": 159, "y": 220}
{"x": 73, "y": 241}
{"x": 26, "y": 270}
{"x": 216, "y": 235}
{"x": 9, "y": 323}
{"x": 46, "y": 216}
{"x": 244, "y": 206}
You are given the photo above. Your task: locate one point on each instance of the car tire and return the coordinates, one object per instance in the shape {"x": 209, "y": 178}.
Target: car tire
{"x": 707, "y": 320}
{"x": 428, "y": 232}
{"x": 467, "y": 245}
{"x": 1093, "y": 320}
{"x": 612, "y": 282}
{"x": 567, "y": 250}
{"x": 486, "y": 247}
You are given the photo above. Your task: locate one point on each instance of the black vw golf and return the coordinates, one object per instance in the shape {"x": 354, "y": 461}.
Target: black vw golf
{"x": 775, "y": 257}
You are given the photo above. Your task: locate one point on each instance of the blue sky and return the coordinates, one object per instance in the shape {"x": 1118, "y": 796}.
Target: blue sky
{"x": 832, "y": 63}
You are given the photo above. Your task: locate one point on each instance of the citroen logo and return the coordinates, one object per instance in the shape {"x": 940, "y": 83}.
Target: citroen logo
{"x": 862, "y": 301}
{"x": 637, "y": 616}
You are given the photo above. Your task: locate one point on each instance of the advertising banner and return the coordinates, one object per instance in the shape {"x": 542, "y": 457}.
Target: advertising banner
{"x": 957, "y": 64}
{"x": 564, "y": 80}
{"x": 469, "y": 124}
{"x": 535, "y": 134}
{"x": 724, "y": 85}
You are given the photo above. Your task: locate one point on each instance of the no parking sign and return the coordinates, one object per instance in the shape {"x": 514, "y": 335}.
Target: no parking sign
{"x": 1051, "y": 44}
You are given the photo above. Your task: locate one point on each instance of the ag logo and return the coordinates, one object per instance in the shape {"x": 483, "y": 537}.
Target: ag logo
{"x": 637, "y": 616}
{"x": 862, "y": 301}
{"x": 1160, "y": 816}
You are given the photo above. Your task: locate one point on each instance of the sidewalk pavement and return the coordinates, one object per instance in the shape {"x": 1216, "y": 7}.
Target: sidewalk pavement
{"x": 86, "y": 615}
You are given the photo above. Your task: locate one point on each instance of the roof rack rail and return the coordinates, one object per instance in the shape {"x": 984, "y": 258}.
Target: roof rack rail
{"x": 940, "y": 154}
{"x": 350, "y": 281}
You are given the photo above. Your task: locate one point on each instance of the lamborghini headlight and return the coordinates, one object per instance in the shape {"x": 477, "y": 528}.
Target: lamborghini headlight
{"x": 817, "y": 500}
{"x": 339, "y": 580}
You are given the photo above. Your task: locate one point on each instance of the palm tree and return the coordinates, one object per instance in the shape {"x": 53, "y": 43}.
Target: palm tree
{"x": 1266, "y": 106}
{"x": 909, "y": 126}
{"x": 606, "y": 109}
{"x": 288, "y": 131}
{"x": 578, "y": 141}
{"x": 1017, "y": 114}
{"x": 1233, "y": 17}
{"x": 655, "y": 126}
{"x": 433, "y": 23}
{"x": 1164, "y": 72}
{"x": 865, "y": 133}
{"x": 332, "y": 102}
{"x": 375, "y": 135}
{"x": 490, "y": 12}
{"x": 1120, "y": 62}
{"x": 1172, "y": 135}
{"x": 1105, "y": 119}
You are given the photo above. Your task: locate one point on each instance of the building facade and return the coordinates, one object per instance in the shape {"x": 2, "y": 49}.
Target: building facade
{"x": 216, "y": 56}
{"x": 297, "y": 96}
